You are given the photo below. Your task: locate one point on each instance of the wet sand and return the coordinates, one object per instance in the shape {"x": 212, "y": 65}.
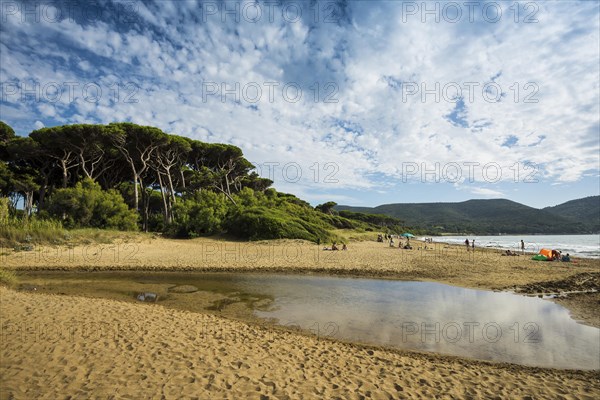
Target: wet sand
{"x": 57, "y": 346}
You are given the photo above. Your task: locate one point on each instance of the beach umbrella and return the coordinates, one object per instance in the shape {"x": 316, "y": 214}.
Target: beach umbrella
{"x": 408, "y": 235}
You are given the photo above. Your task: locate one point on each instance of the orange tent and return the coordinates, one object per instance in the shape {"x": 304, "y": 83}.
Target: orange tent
{"x": 546, "y": 252}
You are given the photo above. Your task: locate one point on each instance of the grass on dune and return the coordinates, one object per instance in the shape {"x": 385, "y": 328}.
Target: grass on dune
{"x": 14, "y": 231}
{"x": 95, "y": 235}
{"x": 355, "y": 235}
{"x": 20, "y": 233}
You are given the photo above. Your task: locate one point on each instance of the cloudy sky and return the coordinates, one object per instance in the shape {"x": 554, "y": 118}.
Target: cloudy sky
{"x": 360, "y": 102}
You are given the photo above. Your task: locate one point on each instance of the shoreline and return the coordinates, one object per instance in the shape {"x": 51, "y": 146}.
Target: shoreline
{"x": 488, "y": 241}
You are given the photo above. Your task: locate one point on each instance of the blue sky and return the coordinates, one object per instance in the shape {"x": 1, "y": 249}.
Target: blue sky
{"x": 360, "y": 102}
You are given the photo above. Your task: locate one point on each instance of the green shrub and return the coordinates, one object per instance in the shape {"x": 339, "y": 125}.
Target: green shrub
{"x": 257, "y": 223}
{"x": 87, "y": 205}
{"x": 200, "y": 215}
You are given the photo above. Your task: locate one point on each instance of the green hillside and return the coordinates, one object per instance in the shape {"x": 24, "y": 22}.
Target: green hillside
{"x": 479, "y": 217}
{"x": 586, "y": 211}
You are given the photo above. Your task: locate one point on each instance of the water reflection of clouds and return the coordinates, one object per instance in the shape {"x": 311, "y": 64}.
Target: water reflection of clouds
{"x": 381, "y": 312}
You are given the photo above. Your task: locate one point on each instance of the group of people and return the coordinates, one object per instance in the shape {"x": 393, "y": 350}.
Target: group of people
{"x": 557, "y": 255}
{"x": 470, "y": 245}
{"x": 390, "y": 239}
{"x": 385, "y": 237}
{"x": 514, "y": 253}
{"x": 335, "y": 247}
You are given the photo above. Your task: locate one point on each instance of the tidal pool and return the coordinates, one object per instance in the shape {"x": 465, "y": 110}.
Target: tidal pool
{"x": 423, "y": 316}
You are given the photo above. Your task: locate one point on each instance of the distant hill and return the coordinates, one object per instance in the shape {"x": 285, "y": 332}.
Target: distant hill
{"x": 585, "y": 210}
{"x": 489, "y": 217}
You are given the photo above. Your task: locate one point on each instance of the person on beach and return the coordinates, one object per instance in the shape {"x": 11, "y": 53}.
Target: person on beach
{"x": 344, "y": 247}
{"x": 334, "y": 246}
{"x": 522, "y": 247}
{"x": 566, "y": 258}
{"x": 473, "y": 244}
{"x": 467, "y": 243}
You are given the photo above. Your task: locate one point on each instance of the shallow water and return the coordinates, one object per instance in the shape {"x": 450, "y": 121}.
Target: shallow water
{"x": 420, "y": 316}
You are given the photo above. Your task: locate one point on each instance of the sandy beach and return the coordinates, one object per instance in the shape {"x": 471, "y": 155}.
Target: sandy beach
{"x": 482, "y": 268}
{"x": 73, "y": 347}
{"x": 56, "y": 346}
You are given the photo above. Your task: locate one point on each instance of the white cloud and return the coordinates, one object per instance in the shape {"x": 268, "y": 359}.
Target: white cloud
{"x": 170, "y": 53}
{"x": 486, "y": 192}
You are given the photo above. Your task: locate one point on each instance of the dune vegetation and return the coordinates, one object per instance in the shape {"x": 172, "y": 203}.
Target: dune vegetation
{"x": 73, "y": 180}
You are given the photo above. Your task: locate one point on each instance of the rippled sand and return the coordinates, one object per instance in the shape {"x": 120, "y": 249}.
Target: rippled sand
{"x": 72, "y": 347}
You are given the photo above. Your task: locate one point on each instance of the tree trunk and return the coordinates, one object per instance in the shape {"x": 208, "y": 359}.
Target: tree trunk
{"x": 226, "y": 194}
{"x": 172, "y": 196}
{"x": 164, "y": 199}
{"x": 65, "y": 172}
{"x": 146, "y": 202}
{"x": 43, "y": 189}
{"x": 83, "y": 166}
{"x": 28, "y": 203}
{"x": 182, "y": 177}
{"x": 136, "y": 179}
{"x": 171, "y": 188}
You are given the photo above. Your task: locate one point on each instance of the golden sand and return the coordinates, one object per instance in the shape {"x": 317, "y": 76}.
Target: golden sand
{"x": 59, "y": 346}
{"x": 449, "y": 264}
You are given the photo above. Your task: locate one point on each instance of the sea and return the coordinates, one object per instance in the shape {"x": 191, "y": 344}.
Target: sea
{"x": 587, "y": 246}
